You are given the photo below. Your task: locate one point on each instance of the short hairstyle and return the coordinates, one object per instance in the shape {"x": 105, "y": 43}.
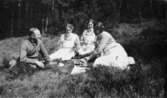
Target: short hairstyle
{"x": 99, "y": 26}
{"x": 91, "y": 20}
{"x": 29, "y": 32}
{"x": 70, "y": 26}
{"x": 33, "y": 30}
{"x": 88, "y": 21}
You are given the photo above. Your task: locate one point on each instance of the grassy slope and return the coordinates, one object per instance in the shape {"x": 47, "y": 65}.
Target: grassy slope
{"x": 99, "y": 83}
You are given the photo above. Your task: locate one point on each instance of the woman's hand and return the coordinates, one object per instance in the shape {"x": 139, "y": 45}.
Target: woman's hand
{"x": 83, "y": 62}
{"x": 39, "y": 64}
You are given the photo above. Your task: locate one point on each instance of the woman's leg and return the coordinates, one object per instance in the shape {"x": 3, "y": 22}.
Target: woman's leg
{"x": 86, "y": 49}
{"x": 117, "y": 57}
{"x": 67, "y": 54}
{"x": 56, "y": 55}
{"x": 64, "y": 54}
{"x": 103, "y": 60}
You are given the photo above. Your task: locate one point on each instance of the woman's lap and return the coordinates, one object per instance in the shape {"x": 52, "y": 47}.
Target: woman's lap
{"x": 116, "y": 57}
{"x": 85, "y": 49}
{"x": 64, "y": 54}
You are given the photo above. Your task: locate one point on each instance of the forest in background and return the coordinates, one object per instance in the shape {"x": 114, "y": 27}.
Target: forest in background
{"x": 139, "y": 25}
{"x": 50, "y": 15}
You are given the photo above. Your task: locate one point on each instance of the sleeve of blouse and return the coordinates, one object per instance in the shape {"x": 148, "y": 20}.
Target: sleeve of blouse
{"x": 77, "y": 42}
{"x": 102, "y": 43}
{"x": 60, "y": 42}
{"x": 44, "y": 51}
{"x": 82, "y": 36}
{"x": 95, "y": 38}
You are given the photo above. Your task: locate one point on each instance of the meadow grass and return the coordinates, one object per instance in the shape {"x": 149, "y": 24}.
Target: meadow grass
{"x": 143, "y": 80}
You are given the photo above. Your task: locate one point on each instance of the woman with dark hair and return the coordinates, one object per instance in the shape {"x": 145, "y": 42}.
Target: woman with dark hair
{"x": 110, "y": 52}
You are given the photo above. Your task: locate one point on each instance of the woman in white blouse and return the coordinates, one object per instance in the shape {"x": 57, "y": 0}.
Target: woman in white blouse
{"x": 68, "y": 44}
{"x": 111, "y": 52}
{"x": 88, "y": 39}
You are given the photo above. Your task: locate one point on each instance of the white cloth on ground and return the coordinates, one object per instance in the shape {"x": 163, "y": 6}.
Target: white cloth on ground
{"x": 78, "y": 70}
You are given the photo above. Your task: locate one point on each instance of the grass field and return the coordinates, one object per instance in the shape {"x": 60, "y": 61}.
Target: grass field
{"x": 145, "y": 80}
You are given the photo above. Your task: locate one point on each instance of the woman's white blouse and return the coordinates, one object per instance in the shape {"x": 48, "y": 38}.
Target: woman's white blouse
{"x": 70, "y": 41}
{"x": 88, "y": 37}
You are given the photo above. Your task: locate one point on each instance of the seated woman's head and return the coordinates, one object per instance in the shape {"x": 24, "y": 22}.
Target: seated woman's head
{"x": 90, "y": 23}
{"x": 69, "y": 28}
{"x": 99, "y": 28}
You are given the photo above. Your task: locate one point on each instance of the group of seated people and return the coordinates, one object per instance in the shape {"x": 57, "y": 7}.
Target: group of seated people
{"x": 92, "y": 43}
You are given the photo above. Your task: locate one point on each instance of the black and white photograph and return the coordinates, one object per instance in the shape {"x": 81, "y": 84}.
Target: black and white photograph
{"x": 83, "y": 48}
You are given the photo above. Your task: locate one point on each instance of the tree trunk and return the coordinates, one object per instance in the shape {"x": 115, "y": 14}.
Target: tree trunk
{"x": 43, "y": 25}
{"x": 46, "y": 24}
{"x": 12, "y": 24}
{"x": 53, "y": 5}
{"x": 119, "y": 11}
{"x": 19, "y": 16}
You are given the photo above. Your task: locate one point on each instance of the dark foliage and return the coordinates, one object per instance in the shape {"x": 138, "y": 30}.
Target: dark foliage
{"x": 51, "y": 15}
